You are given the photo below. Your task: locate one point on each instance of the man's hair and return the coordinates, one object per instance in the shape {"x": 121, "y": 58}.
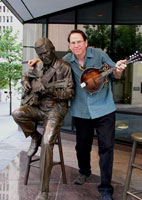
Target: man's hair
{"x": 77, "y": 31}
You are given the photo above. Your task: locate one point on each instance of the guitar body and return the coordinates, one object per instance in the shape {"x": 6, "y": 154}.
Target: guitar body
{"x": 92, "y": 79}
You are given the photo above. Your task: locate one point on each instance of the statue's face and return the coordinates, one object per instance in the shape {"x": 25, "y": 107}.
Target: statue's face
{"x": 45, "y": 52}
{"x": 47, "y": 57}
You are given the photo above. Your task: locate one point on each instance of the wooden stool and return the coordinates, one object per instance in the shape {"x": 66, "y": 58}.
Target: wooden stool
{"x": 137, "y": 138}
{"x": 61, "y": 162}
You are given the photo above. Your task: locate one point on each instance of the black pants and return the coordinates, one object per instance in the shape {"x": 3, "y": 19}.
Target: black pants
{"x": 105, "y": 129}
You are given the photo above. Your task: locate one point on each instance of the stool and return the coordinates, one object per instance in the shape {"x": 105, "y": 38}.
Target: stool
{"x": 61, "y": 162}
{"x": 137, "y": 138}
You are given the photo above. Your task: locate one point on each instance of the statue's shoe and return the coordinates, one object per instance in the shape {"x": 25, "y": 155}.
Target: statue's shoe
{"x": 42, "y": 196}
{"x": 35, "y": 143}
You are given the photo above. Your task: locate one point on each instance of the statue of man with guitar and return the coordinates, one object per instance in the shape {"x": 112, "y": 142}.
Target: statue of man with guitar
{"x": 46, "y": 91}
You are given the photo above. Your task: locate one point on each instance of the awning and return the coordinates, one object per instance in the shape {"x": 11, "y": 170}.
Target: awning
{"x": 77, "y": 11}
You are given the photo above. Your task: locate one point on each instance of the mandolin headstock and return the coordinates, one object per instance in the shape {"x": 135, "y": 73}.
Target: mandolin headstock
{"x": 136, "y": 57}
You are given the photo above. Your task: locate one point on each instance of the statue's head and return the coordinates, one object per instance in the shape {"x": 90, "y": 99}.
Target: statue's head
{"x": 45, "y": 50}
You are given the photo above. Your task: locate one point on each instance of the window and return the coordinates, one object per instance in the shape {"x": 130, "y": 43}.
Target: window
{"x": 0, "y": 18}
{"x": 0, "y": 9}
{"x": 3, "y": 8}
{"x": 7, "y": 187}
{"x": 3, "y": 18}
{"x": 7, "y": 18}
{"x": 11, "y": 19}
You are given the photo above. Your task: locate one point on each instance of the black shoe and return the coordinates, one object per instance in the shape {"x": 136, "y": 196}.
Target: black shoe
{"x": 81, "y": 179}
{"x": 106, "y": 197}
{"x": 35, "y": 143}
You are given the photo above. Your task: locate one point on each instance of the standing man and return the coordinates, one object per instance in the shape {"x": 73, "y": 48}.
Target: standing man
{"x": 48, "y": 88}
{"x": 93, "y": 111}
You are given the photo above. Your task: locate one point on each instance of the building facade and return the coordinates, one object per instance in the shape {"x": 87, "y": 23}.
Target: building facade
{"x": 8, "y": 20}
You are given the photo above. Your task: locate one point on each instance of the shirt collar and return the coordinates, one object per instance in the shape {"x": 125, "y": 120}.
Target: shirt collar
{"x": 88, "y": 54}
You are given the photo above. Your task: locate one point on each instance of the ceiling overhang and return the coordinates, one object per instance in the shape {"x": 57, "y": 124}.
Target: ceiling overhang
{"x": 77, "y": 11}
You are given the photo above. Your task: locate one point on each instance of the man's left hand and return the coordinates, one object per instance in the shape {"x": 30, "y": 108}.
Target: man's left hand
{"x": 120, "y": 66}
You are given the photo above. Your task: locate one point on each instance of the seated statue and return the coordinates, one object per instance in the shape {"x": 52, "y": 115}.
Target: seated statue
{"x": 47, "y": 87}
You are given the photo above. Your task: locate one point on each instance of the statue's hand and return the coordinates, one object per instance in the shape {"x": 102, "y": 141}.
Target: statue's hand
{"x": 26, "y": 86}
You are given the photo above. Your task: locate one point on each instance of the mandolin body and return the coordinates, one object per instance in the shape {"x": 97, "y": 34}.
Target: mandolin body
{"x": 92, "y": 79}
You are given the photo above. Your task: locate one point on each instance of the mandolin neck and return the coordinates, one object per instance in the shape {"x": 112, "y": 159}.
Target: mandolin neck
{"x": 109, "y": 71}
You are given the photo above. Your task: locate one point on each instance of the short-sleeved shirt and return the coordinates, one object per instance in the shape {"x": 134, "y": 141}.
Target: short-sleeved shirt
{"x": 85, "y": 105}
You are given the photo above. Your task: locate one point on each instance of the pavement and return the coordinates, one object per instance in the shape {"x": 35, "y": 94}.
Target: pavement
{"x": 12, "y": 141}
{"x": 13, "y": 147}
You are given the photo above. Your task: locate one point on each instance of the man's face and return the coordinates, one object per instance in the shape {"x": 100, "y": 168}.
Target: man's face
{"x": 77, "y": 44}
{"x": 45, "y": 54}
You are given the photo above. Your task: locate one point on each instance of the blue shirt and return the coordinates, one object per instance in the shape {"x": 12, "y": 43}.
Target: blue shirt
{"x": 85, "y": 105}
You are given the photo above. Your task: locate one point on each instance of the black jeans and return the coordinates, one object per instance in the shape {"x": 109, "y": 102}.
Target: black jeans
{"x": 105, "y": 129}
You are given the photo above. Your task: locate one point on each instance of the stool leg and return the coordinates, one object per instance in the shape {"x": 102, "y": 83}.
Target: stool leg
{"x": 129, "y": 172}
{"x": 27, "y": 170}
{"x": 62, "y": 159}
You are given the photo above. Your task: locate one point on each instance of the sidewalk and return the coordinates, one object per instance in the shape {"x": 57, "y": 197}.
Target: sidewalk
{"x": 13, "y": 147}
{"x": 12, "y": 141}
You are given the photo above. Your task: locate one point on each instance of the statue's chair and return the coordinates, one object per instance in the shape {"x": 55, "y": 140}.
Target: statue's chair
{"x": 32, "y": 159}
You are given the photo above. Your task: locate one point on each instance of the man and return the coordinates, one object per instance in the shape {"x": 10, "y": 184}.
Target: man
{"x": 48, "y": 88}
{"x": 92, "y": 111}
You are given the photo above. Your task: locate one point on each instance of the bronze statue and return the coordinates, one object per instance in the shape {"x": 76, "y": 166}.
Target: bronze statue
{"x": 47, "y": 89}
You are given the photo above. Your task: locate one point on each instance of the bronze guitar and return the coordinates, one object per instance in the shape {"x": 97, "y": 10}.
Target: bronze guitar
{"x": 92, "y": 79}
{"x": 35, "y": 77}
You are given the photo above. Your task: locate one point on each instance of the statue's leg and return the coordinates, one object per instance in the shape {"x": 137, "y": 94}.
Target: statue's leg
{"x": 27, "y": 117}
{"x": 51, "y": 129}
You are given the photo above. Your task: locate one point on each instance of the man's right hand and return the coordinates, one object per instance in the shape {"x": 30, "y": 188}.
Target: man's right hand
{"x": 32, "y": 63}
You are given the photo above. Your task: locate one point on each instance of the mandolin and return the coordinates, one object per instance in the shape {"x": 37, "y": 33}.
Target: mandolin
{"x": 92, "y": 79}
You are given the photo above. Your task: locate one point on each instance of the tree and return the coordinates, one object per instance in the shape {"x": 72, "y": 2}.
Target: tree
{"x": 98, "y": 36}
{"x": 11, "y": 67}
{"x": 127, "y": 39}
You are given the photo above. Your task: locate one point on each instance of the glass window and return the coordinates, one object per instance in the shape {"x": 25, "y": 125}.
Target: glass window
{"x": 7, "y": 18}
{"x": 0, "y": 8}
{"x": 0, "y": 18}
{"x": 3, "y": 18}
{"x": 7, "y": 187}
{"x": 3, "y": 8}
{"x": 11, "y": 19}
